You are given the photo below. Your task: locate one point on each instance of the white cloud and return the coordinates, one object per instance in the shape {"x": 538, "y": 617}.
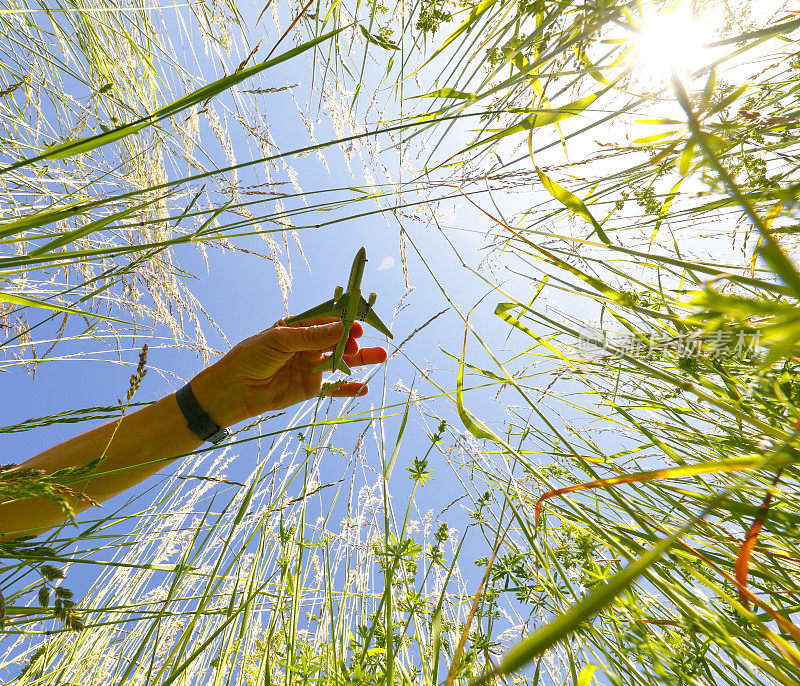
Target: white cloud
{"x": 388, "y": 263}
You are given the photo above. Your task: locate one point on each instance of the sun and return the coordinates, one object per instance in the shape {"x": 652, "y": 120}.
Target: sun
{"x": 670, "y": 41}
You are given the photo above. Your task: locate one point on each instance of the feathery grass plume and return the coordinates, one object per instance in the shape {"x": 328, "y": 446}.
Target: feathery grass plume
{"x": 136, "y": 379}
{"x": 20, "y": 483}
{"x": 639, "y": 244}
{"x": 660, "y": 339}
{"x": 126, "y": 267}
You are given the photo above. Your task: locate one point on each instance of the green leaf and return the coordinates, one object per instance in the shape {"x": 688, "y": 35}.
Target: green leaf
{"x": 33, "y": 221}
{"x": 223, "y": 84}
{"x": 561, "y": 113}
{"x": 647, "y": 140}
{"x": 686, "y": 157}
{"x": 70, "y": 236}
{"x": 665, "y": 208}
{"x": 780, "y": 262}
{"x": 585, "y": 677}
{"x": 572, "y": 202}
{"x": 708, "y": 91}
{"x": 380, "y": 41}
{"x": 70, "y": 148}
{"x": 775, "y": 29}
{"x": 390, "y": 466}
{"x": 729, "y": 99}
{"x": 436, "y": 642}
{"x": 503, "y": 311}
{"x": 447, "y": 93}
{"x": 197, "y": 235}
{"x": 593, "y": 71}
{"x": 477, "y": 12}
{"x": 540, "y": 117}
{"x": 475, "y": 368}
{"x": 565, "y": 624}
{"x": 64, "y": 150}
{"x": 473, "y": 425}
{"x": 25, "y": 301}
{"x": 662, "y": 121}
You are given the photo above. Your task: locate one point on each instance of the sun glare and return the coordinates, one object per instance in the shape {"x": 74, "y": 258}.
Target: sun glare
{"x": 670, "y": 41}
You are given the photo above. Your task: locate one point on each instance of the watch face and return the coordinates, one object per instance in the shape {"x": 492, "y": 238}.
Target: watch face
{"x": 218, "y": 436}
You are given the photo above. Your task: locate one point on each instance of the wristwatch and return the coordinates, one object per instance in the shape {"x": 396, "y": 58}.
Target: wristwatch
{"x": 197, "y": 418}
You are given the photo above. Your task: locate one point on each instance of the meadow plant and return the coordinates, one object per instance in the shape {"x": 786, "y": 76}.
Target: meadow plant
{"x": 623, "y": 468}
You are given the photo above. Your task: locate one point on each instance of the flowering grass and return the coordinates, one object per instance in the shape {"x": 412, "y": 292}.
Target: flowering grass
{"x": 621, "y": 439}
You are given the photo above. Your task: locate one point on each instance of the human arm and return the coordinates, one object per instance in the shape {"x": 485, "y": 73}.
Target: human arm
{"x": 268, "y": 371}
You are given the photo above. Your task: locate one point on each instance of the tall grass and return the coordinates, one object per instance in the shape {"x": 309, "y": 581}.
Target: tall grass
{"x": 631, "y": 505}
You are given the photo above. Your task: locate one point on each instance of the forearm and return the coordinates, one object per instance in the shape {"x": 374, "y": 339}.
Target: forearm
{"x": 137, "y": 450}
{"x": 271, "y": 370}
{"x": 134, "y": 448}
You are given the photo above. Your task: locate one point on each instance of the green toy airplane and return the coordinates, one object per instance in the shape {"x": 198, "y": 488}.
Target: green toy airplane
{"x": 348, "y": 306}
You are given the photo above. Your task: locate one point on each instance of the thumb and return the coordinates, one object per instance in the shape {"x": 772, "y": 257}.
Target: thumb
{"x": 294, "y": 339}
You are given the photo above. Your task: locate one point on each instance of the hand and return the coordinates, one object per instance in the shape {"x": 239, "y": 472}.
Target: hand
{"x": 274, "y": 369}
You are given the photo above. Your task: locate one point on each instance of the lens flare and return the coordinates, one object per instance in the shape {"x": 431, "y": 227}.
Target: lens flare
{"x": 670, "y": 41}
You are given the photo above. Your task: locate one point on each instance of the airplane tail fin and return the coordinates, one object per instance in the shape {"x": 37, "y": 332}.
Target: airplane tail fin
{"x": 327, "y": 366}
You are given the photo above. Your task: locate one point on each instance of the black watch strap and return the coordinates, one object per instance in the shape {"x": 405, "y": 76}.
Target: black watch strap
{"x": 197, "y": 418}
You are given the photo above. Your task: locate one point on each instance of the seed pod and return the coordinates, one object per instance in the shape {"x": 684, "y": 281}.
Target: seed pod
{"x": 44, "y": 596}
{"x": 74, "y": 622}
{"x": 62, "y": 592}
{"x": 51, "y": 573}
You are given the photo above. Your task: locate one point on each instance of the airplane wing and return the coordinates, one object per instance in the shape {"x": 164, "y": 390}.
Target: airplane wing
{"x": 326, "y": 309}
{"x": 327, "y": 366}
{"x": 367, "y": 314}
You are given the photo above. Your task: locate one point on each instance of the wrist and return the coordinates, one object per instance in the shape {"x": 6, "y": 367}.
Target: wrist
{"x": 216, "y": 393}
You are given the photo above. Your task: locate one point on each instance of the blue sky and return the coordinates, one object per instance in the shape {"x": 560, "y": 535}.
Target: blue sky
{"x": 240, "y": 294}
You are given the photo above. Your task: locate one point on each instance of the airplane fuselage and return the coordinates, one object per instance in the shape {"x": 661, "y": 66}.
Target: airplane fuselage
{"x": 357, "y": 270}
{"x": 349, "y": 308}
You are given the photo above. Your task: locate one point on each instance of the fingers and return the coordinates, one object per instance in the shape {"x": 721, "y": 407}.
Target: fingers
{"x": 294, "y": 339}
{"x": 352, "y": 389}
{"x": 356, "y": 331}
{"x": 376, "y": 355}
{"x": 351, "y": 352}
{"x": 349, "y": 390}
{"x": 351, "y": 347}
{"x": 308, "y": 322}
